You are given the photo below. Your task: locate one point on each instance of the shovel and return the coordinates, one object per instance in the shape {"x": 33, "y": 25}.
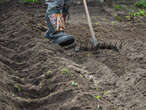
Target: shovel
{"x": 104, "y": 45}
{"x": 94, "y": 40}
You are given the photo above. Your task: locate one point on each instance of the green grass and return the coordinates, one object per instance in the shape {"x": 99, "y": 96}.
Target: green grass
{"x": 141, "y": 4}
{"x": 117, "y": 7}
{"x": 120, "y": 7}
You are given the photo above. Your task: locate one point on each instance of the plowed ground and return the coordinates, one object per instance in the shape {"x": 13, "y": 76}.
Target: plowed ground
{"x": 36, "y": 75}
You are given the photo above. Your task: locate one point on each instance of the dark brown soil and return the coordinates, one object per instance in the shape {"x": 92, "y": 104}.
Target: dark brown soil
{"x": 37, "y": 75}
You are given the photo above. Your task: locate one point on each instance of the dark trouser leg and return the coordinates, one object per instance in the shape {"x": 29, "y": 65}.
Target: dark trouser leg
{"x": 55, "y": 21}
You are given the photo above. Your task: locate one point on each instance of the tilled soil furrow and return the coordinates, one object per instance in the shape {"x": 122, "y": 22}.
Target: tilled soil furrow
{"x": 12, "y": 64}
{"x": 9, "y": 44}
{"x": 6, "y": 51}
{"x": 56, "y": 97}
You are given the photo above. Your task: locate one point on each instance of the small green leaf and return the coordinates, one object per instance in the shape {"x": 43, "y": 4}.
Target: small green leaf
{"x": 18, "y": 88}
{"x": 48, "y": 73}
{"x": 118, "y": 107}
{"x": 98, "y": 97}
{"x": 74, "y": 83}
{"x": 81, "y": 76}
{"x": 89, "y": 54}
{"x": 65, "y": 71}
{"x": 117, "y": 7}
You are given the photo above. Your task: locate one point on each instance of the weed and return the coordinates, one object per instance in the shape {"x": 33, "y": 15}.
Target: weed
{"x": 106, "y": 93}
{"x": 117, "y": 7}
{"x": 98, "y": 97}
{"x": 89, "y": 54}
{"x": 118, "y": 107}
{"x": 48, "y": 73}
{"x": 97, "y": 23}
{"x": 65, "y": 71}
{"x": 134, "y": 14}
{"x": 18, "y": 88}
{"x": 128, "y": 18}
{"x": 81, "y": 75}
{"x": 99, "y": 107}
{"x": 74, "y": 84}
{"x": 119, "y": 18}
{"x": 113, "y": 22}
{"x": 142, "y": 12}
{"x": 141, "y": 4}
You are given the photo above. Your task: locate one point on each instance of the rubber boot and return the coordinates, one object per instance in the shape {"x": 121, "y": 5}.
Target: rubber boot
{"x": 55, "y": 33}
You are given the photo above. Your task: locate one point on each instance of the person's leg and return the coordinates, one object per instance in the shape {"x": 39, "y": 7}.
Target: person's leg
{"x": 55, "y": 21}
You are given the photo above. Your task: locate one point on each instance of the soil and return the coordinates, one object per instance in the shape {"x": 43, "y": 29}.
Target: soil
{"x": 37, "y": 75}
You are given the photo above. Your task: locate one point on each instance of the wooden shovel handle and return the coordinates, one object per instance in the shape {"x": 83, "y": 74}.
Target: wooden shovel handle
{"x": 90, "y": 23}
